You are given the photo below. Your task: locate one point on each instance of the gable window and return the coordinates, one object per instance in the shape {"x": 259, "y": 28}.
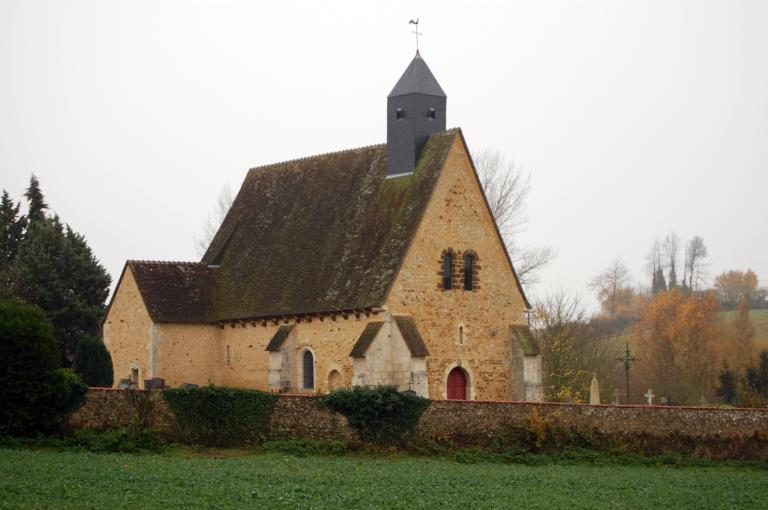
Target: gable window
{"x": 308, "y": 370}
{"x": 447, "y": 270}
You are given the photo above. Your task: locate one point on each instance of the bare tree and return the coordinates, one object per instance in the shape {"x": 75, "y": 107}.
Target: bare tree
{"x": 695, "y": 263}
{"x": 214, "y": 220}
{"x": 507, "y": 187}
{"x": 609, "y": 285}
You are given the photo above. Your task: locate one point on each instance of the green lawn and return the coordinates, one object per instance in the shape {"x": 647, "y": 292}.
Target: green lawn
{"x": 68, "y": 479}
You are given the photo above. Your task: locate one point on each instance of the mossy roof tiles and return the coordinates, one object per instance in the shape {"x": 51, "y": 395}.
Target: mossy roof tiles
{"x": 323, "y": 233}
{"x": 175, "y": 291}
{"x": 411, "y": 335}
{"x": 525, "y": 338}
{"x": 279, "y": 337}
{"x": 366, "y": 339}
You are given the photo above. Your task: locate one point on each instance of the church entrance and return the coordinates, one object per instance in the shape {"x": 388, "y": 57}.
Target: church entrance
{"x": 457, "y": 384}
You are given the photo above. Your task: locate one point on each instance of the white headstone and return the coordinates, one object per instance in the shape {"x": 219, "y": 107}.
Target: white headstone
{"x": 594, "y": 391}
{"x": 616, "y": 396}
{"x": 649, "y": 397}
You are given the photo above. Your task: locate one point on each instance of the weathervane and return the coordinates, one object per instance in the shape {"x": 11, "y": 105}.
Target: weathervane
{"x": 412, "y": 22}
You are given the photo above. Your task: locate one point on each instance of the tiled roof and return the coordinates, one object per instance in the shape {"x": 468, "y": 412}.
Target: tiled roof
{"x": 279, "y": 337}
{"x": 525, "y": 338}
{"x": 322, "y": 233}
{"x": 366, "y": 339}
{"x": 411, "y": 335}
{"x": 175, "y": 291}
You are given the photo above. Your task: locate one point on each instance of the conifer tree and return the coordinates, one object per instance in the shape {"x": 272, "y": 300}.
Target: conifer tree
{"x": 93, "y": 362}
{"x": 727, "y": 390}
{"x": 12, "y": 226}
{"x": 36, "y": 200}
{"x": 56, "y": 270}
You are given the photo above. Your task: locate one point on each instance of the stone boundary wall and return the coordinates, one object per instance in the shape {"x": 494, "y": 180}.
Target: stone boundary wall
{"x": 448, "y": 421}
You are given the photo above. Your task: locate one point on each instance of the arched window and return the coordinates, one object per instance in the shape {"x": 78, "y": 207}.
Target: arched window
{"x": 447, "y": 270}
{"x": 308, "y": 370}
{"x": 469, "y": 271}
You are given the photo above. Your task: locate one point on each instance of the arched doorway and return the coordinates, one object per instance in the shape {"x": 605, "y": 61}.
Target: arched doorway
{"x": 334, "y": 380}
{"x": 457, "y": 384}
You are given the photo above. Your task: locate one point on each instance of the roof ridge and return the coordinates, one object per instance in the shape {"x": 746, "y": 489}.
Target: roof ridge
{"x": 319, "y": 155}
{"x": 166, "y": 262}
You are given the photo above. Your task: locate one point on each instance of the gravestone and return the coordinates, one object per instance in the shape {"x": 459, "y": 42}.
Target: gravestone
{"x": 616, "y": 396}
{"x": 649, "y": 397}
{"x": 156, "y": 383}
{"x": 125, "y": 384}
{"x": 594, "y": 391}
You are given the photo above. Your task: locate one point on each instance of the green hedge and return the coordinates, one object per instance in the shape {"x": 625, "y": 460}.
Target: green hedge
{"x": 380, "y": 414}
{"x": 218, "y": 416}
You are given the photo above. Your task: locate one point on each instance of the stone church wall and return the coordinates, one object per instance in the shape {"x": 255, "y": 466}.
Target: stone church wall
{"x": 129, "y": 331}
{"x": 456, "y": 218}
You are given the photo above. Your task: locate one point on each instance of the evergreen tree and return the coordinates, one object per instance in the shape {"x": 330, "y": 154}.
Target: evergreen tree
{"x": 93, "y": 362}
{"x": 56, "y": 270}
{"x": 36, "y": 200}
{"x": 661, "y": 283}
{"x": 12, "y": 226}
{"x": 36, "y": 394}
{"x": 672, "y": 278}
{"x": 727, "y": 391}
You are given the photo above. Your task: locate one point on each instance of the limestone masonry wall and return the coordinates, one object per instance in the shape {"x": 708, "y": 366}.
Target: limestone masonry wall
{"x": 296, "y": 416}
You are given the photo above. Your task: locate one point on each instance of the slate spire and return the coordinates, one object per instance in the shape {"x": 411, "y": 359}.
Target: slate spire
{"x": 416, "y": 108}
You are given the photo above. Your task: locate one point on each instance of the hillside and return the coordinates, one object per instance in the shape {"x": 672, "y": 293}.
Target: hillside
{"x": 759, "y": 319}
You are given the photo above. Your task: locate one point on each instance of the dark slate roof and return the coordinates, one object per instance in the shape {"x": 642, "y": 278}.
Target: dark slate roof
{"x": 366, "y": 339}
{"x": 525, "y": 338}
{"x": 417, "y": 79}
{"x": 175, "y": 291}
{"x": 323, "y": 233}
{"x": 411, "y": 335}
{"x": 279, "y": 337}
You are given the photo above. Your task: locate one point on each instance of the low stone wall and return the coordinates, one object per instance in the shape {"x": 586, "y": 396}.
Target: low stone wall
{"x": 717, "y": 431}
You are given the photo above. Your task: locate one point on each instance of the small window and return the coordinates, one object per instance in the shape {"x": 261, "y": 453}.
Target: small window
{"x": 308, "y": 365}
{"x": 447, "y": 270}
{"x": 461, "y": 335}
{"x": 431, "y": 114}
{"x": 399, "y": 114}
{"x": 469, "y": 270}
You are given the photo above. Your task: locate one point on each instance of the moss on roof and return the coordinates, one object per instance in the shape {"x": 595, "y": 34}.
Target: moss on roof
{"x": 525, "y": 338}
{"x": 322, "y": 233}
{"x": 366, "y": 339}
{"x": 175, "y": 291}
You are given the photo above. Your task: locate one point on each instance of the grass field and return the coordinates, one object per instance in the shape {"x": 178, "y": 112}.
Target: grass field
{"x": 68, "y": 479}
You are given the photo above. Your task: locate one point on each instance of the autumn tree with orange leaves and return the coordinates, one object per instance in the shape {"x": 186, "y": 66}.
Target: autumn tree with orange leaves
{"x": 677, "y": 343}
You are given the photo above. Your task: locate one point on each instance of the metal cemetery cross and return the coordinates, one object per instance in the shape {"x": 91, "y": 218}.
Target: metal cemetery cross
{"x": 627, "y": 359}
{"x": 412, "y": 22}
{"x": 649, "y": 397}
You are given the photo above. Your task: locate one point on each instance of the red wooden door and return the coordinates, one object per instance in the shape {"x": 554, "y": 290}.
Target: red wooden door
{"x": 457, "y": 385}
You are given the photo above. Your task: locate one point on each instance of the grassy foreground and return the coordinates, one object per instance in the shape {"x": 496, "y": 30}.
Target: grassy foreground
{"x": 68, "y": 479}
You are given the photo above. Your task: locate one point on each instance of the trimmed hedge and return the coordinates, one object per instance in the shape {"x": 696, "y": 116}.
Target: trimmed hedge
{"x": 219, "y": 416}
{"x": 380, "y": 414}
{"x": 93, "y": 363}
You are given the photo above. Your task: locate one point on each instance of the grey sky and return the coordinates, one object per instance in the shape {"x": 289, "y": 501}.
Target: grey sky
{"x": 635, "y": 118}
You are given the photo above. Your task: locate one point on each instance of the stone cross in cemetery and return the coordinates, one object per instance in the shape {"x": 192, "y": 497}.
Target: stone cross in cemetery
{"x": 616, "y": 396}
{"x": 649, "y": 397}
{"x": 628, "y": 359}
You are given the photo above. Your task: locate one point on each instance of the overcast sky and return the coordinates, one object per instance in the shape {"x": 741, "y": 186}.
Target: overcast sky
{"x": 634, "y": 118}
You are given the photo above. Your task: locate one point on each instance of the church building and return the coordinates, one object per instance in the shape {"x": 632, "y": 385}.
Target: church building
{"x": 368, "y": 266}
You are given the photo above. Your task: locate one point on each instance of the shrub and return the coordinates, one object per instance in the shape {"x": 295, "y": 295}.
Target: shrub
{"x": 36, "y": 395}
{"x": 218, "y": 416}
{"x": 380, "y": 414}
{"x": 93, "y": 362}
{"x": 118, "y": 440}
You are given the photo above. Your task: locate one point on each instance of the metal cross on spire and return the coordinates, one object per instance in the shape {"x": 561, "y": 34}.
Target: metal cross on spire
{"x": 412, "y": 22}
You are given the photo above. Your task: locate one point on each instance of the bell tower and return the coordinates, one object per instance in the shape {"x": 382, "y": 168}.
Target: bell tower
{"x": 415, "y": 109}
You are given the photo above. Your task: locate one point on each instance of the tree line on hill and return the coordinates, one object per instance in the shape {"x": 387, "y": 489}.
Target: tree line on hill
{"x": 686, "y": 350}
{"x": 45, "y": 263}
